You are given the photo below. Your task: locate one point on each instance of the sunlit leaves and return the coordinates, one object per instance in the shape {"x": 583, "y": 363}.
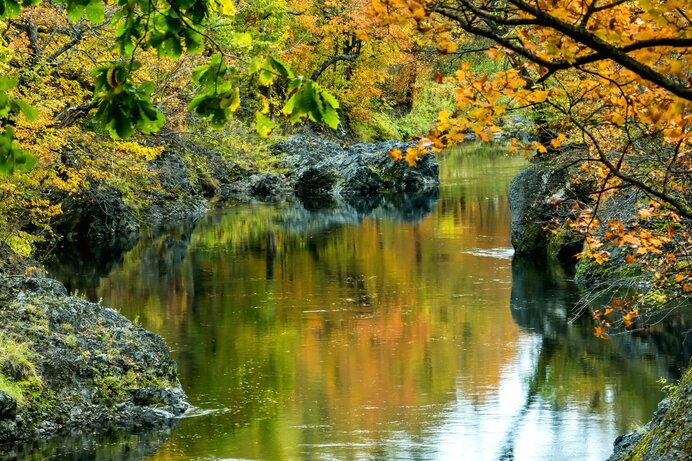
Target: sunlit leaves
{"x": 218, "y": 96}
{"x": 305, "y": 98}
{"x": 308, "y": 100}
{"x": 263, "y": 124}
{"x": 269, "y": 69}
{"x": 13, "y": 158}
{"x": 169, "y": 30}
{"x": 94, "y": 9}
{"x": 11, "y": 8}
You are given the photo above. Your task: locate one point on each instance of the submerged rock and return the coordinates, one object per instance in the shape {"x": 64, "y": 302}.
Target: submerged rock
{"x": 84, "y": 366}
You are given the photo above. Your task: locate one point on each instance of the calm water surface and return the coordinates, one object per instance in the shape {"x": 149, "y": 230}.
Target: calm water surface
{"x": 398, "y": 329}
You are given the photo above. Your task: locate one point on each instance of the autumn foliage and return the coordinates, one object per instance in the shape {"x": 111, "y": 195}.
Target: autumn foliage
{"x": 608, "y": 85}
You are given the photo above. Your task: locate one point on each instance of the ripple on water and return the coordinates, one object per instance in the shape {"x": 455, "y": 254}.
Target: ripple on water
{"x": 497, "y": 253}
{"x": 196, "y": 412}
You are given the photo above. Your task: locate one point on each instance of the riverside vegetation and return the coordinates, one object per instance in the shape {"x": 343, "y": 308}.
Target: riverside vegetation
{"x": 599, "y": 94}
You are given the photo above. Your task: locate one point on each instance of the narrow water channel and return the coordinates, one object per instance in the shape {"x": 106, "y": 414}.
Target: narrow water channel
{"x": 395, "y": 329}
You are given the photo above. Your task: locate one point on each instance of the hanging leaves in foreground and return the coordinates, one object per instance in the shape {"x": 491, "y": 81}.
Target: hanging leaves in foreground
{"x": 306, "y": 99}
{"x": 122, "y": 107}
{"x": 218, "y": 96}
{"x": 309, "y": 100}
{"x": 13, "y": 158}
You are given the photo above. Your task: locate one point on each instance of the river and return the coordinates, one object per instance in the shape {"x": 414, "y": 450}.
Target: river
{"x": 398, "y": 329}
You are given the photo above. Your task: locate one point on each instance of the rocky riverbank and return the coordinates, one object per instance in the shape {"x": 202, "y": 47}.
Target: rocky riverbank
{"x": 668, "y": 436}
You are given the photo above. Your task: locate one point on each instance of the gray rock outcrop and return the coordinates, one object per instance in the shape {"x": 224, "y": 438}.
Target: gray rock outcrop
{"x": 537, "y": 195}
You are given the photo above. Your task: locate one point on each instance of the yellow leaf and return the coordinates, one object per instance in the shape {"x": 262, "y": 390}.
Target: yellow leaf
{"x": 556, "y": 142}
{"x": 411, "y": 157}
{"x": 540, "y": 147}
{"x": 645, "y": 213}
{"x": 225, "y": 7}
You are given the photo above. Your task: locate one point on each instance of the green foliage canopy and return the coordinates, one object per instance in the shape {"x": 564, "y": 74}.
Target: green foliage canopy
{"x": 173, "y": 28}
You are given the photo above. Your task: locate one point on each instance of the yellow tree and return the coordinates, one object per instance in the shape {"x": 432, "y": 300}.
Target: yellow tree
{"x": 365, "y": 63}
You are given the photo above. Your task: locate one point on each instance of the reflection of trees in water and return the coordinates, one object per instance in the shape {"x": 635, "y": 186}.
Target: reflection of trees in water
{"x": 545, "y": 303}
{"x": 81, "y": 267}
{"x": 575, "y": 366}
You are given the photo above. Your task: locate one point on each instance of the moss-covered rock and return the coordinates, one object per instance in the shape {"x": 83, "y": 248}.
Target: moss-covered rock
{"x": 68, "y": 365}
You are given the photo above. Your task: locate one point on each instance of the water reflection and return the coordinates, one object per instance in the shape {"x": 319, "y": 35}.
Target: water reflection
{"x": 391, "y": 330}
{"x": 112, "y": 445}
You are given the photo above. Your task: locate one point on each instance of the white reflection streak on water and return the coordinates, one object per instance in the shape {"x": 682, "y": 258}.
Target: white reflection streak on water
{"x": 509, "y": 426}
{"x": 483, "y": 429}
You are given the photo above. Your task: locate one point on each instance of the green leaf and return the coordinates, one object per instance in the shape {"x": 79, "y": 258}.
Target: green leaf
{"x": 7, "y": 83}
{"x": 147, "y": 87}
{"x": 279, "y": 67}
{"x": 194, "y": 42}
{"x": 95, "y": 11}
{"x": 74, "y": 11}
{"x": 330, "y": 117}
{"x": 151, "y": 119}
{"x": 266, "y": 77}
{"x": 255, "y": 65}
{"x": 13, "y": 159}
{"x": 290, "y": 105}
{"x": 231, "y": 100}
{"x": 329, "y": 99}
{"x": 263, "y": 124}
{"x": 29, "y": 112}
{"x": 171, "y": 47}
{"x": 9, "y": 9}
{"x": 123, "y": 126}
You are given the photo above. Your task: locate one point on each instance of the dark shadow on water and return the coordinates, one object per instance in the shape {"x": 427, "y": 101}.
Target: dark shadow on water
{"x": 79, "y": 269}
{"x": 544, "y": 301}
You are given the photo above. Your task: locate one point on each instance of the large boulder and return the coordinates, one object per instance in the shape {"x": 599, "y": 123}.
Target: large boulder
{"x": 539, "y": 195}
{"x": 80, "y": 366}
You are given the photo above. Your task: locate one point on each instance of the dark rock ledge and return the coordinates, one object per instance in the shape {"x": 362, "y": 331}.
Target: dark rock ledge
{"x": 316, "y": 168}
